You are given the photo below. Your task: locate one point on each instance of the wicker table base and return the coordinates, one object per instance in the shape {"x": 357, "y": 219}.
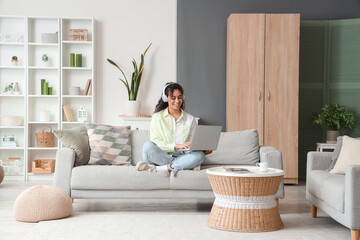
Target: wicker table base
{"x": 245, "y": 204}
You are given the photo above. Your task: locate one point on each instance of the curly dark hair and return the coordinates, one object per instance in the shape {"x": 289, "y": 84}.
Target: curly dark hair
{"x": 168, "y": 91}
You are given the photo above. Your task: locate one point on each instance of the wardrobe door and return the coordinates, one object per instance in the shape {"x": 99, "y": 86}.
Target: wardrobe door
{"x": 282, "y": 89}
{"x": 245, "y": 72}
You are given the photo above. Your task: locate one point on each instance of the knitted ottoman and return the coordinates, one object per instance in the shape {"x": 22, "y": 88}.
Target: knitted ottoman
{"x": 2, "y": 174}
{"x": 42, "y": 202}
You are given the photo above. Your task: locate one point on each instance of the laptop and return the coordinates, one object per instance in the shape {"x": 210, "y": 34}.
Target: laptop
{"x": 205, "y": 138}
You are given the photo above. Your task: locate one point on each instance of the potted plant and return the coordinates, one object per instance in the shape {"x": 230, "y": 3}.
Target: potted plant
{"x": 14, "y": 61}
{"x": 134, "y": 86}
{"x": 45, "y": 60}
{"x": 334, "y": 117}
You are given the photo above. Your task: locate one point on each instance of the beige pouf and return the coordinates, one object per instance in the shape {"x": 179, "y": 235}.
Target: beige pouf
{"x": 42, "y": 202}
{"x": 2, "y": 174}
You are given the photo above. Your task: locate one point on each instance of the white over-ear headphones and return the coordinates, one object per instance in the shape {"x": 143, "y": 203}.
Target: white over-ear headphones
{"x": 163, "y": 95}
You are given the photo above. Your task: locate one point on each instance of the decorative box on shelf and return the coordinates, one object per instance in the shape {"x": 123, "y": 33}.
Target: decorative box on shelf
{"x": 12, "y": 166}
{"x": 43, "y": 166}
{"x": 78, "y": 34}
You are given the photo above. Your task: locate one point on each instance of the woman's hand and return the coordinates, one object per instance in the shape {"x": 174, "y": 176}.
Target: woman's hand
{"x": 185, "y": 145}
{"x": 208, "y": 152}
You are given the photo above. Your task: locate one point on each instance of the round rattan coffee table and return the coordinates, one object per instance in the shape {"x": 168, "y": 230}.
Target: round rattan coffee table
{"x": 245, "y": 201}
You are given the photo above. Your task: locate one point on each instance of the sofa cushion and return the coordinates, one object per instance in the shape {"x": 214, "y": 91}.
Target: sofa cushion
{"x": 336, "y": 153}
{"x": 78, "y": 140}
{"x": 349, "y": 155}
{"x": 97, "y": 177}
{"x": 328, "y": 187}
{"x": 190, "y": 180}
{"x": 240, "y": 147}
{"x": 138, "y": 138}
{"x": 109, "y": 145}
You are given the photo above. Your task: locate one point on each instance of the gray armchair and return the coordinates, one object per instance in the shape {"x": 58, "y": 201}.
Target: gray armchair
{"x": 337, "y": 195}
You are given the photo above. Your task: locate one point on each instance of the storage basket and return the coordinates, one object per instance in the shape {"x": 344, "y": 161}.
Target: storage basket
{"x": 45, "y": 139}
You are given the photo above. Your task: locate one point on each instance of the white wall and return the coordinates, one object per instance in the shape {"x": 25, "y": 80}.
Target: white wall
{"x": 123, "y": 31}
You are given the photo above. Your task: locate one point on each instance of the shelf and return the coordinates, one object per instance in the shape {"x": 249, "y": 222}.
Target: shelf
{"x": 42, "y": 148}
{"x": 12, "y": 67}
{"x": 44, "y": 44}
{"x": 65, "y": 122}
{"x": 12, "y": 127}
{"x": 11, "y": 148}
{"x": 77, "y": 42}
{"x": 37, "y": 122}
{"x": 44, "y": 68}
{"x": 4, "y": 95}
{"x": 77, "y": 96}
{"x": 77, "y": 68}
{"x": 44, "y": 176}
{"x": 43, "y": 96}
{"x": 20, "y": 44}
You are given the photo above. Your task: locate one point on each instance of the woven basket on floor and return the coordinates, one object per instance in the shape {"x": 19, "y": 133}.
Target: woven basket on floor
{"x": 45, "y": 139}
{"x": 226, "y": 217}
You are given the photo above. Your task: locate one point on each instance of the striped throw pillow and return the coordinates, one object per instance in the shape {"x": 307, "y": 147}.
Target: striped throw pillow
{"x": 109, "y": 145}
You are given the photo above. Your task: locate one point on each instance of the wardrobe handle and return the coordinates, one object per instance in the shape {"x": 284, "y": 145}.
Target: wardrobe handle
{"x": 259, "y": 95}
{"x": 269, "y": 96}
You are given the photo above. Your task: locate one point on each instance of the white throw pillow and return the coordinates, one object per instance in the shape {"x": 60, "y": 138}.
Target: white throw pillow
{"x": 349, "y": 155}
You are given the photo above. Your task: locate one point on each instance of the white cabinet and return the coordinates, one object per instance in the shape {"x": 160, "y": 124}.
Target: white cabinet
{"x": 136, "y": 123}
{"x": 23, "y": 37}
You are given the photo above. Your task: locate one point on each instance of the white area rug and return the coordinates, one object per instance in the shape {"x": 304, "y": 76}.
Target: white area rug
{"x": 177, "y": 225}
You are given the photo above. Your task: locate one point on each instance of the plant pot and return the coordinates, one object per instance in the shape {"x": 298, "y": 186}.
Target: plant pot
{"x": 132, "y": 108}
{"x": 45, "y": 64}
{"x": 14, "y": 63}
{"x": 331, "y": 136}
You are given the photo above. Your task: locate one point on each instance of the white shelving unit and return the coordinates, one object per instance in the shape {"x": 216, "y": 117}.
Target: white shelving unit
{"x": 21, "y": 37}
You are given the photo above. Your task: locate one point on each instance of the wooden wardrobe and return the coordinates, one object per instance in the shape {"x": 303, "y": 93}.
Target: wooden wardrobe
{"x": 262, "y": 85}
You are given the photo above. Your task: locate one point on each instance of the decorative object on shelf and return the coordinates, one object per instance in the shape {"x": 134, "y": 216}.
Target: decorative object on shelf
{"x": 17, "y": 89}
{"x": 78, "y": 60}
{"x": 12, "y": 166}
{"x": 45, "y": 60}
{"x": 9, "y": 89}
{"x": 82, "y": 115}
{"x": 45, "y": 116}
{"x": 133, "y": 106}
{"x": 45, "y": 89}
{"x": 8, "y": 141}
{"x": 41, "y": 166}
{"x": 67, "y": 113}
{"x": 72, "y": 59}
{"x": 45, "y": 139}
{"x": 49, "y": 37}
{"x": 14, "y": 61}
{"x": 78, "y": 34}
{"x": 334, "y": 117}
{"x": 12, "y": 120}
{"x": 75, "y": 91}
{"x": 87, "y": 87}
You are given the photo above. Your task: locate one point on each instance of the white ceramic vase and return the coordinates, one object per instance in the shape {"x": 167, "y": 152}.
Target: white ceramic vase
{"x": 132, "y": 108}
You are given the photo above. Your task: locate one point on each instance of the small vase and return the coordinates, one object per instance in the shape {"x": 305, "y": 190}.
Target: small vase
{"x": 132, "y": 108}
{"x": 16, "y": 89}
{"x": 331, "y": 136}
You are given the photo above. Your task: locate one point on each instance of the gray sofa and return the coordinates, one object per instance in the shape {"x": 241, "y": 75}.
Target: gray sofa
{"x": 337, "y": 195}
{"x": 98, "y": 181}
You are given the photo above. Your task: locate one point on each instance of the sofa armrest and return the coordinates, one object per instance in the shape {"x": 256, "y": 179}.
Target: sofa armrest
{"x": 273, "y": 158}
{"x": 352, "y": 196}
{"x": 318, "y": 160}
{"x": 65, "y": 159}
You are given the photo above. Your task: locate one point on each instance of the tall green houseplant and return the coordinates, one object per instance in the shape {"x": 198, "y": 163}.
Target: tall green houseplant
{"x": 136, "y": 77}
{"x": 334, "y": 117}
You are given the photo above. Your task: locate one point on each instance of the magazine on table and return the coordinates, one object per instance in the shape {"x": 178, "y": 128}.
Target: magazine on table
{"x": 237, "y": 170}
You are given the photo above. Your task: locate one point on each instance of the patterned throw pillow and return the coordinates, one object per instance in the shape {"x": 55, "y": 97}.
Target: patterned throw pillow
{"x": 109, "y": 145}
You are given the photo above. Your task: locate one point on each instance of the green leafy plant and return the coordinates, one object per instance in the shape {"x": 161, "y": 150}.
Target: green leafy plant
{"x": 334, "y": 117}
{"x": 136, "y": 77}
{"x": 45, "y": 58}
{"x": 14, "y": 58}
{"x": 9, "y": 87}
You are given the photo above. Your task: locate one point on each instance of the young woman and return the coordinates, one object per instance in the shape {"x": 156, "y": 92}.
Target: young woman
{"x": 171, "y": 130}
